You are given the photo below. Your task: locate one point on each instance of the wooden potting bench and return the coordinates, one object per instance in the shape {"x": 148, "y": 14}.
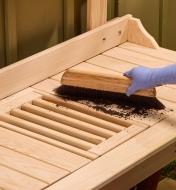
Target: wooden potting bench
{"x": 48, "y": 143}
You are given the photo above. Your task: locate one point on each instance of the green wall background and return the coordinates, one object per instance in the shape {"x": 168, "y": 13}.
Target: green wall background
{"x": 30, "y": 26}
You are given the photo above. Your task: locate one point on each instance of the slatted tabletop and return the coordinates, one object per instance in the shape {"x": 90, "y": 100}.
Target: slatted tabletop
{"x": 50, "y": 143}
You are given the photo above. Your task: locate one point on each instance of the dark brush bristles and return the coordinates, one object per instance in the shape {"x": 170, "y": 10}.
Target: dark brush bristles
{"x": 138, "y": 102}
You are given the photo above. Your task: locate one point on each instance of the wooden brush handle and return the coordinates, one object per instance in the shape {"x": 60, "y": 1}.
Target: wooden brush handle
{"x": 100, "y": 81}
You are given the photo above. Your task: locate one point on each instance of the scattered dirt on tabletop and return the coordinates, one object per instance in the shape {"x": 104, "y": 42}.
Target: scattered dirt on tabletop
{"x": 114, "y": 104}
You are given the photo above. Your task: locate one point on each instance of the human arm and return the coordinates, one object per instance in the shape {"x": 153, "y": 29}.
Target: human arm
{"x": 144, "y": 77}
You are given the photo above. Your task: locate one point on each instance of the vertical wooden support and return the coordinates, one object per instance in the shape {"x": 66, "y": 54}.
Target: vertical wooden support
{"x": 96, "y": 13}
{"x": 2, "y": 35}
{"x": 10, "y": 30}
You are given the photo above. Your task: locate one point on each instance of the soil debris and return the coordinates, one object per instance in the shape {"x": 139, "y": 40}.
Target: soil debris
{"x": 114, "y": 104}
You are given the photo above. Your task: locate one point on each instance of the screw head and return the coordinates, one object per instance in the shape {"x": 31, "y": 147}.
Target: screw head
{"x": 119, "y": 32}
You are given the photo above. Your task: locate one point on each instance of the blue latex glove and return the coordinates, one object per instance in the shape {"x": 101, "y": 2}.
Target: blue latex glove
{"x": 143, "y": 77}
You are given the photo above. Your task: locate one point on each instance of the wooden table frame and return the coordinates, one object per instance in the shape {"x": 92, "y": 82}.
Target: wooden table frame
{"x": 131, "y": 161}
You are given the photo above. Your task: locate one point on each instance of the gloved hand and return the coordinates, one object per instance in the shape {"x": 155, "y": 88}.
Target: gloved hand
{"x": 143, "y": 77}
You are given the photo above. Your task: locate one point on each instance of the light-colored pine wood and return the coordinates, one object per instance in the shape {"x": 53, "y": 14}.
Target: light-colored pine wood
{"x": 17, "y": 99}
{"x": 110, "y": 63}
{"x": 46, "y": 132}
{"x": 125, "y": 157}
{"x": 167, "y": 93}
{"x": 77, "y": 115}
{"x": 30, "y": 166}
{"x": 70, "y": 121}
{"x": 96, "y": 13}
{"x": 149, "y": 167}
{"x": 136, "y": 58}
{"x": 52, "y": 123}
{"x": 41, "y": 151}
{"x": 160, "y": 53}
{"x": 118, "y": 139}
{"x": 11, "y": 179}
{"x": 105, "y": 82}
{"x": 50, "y": 141}
{"x": 57, "y": 76}
{"x": 138, "y": 35}
{"x": 49, "y": 62}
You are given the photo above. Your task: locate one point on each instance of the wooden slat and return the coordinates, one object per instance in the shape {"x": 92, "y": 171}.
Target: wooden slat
{"x": 46, "y": 132}
{"x": 71, "y": 121}
{"x": 57, "y": 76}
{"x": 96, "y": 13}
{"x": 160, "y": 53}
{"x": 10, "y": 179}
{"x": 167, "y": 93}
{"x": 118, "y": 139}
{"x": 50, "y": 141}
{"x": 52, "y": 124}
{"x": 17, "y": 99}
{"x": 77, "y": 115}
{"x": 49, "y": 62}
{"x": 88, "y": 68}
{"x": 40, "y": 150}
{"x": 30, "y": 166}
{"x": 124, "y": 158}
{"x": 110, "y": 63}
{"x": 136, "y": 58}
